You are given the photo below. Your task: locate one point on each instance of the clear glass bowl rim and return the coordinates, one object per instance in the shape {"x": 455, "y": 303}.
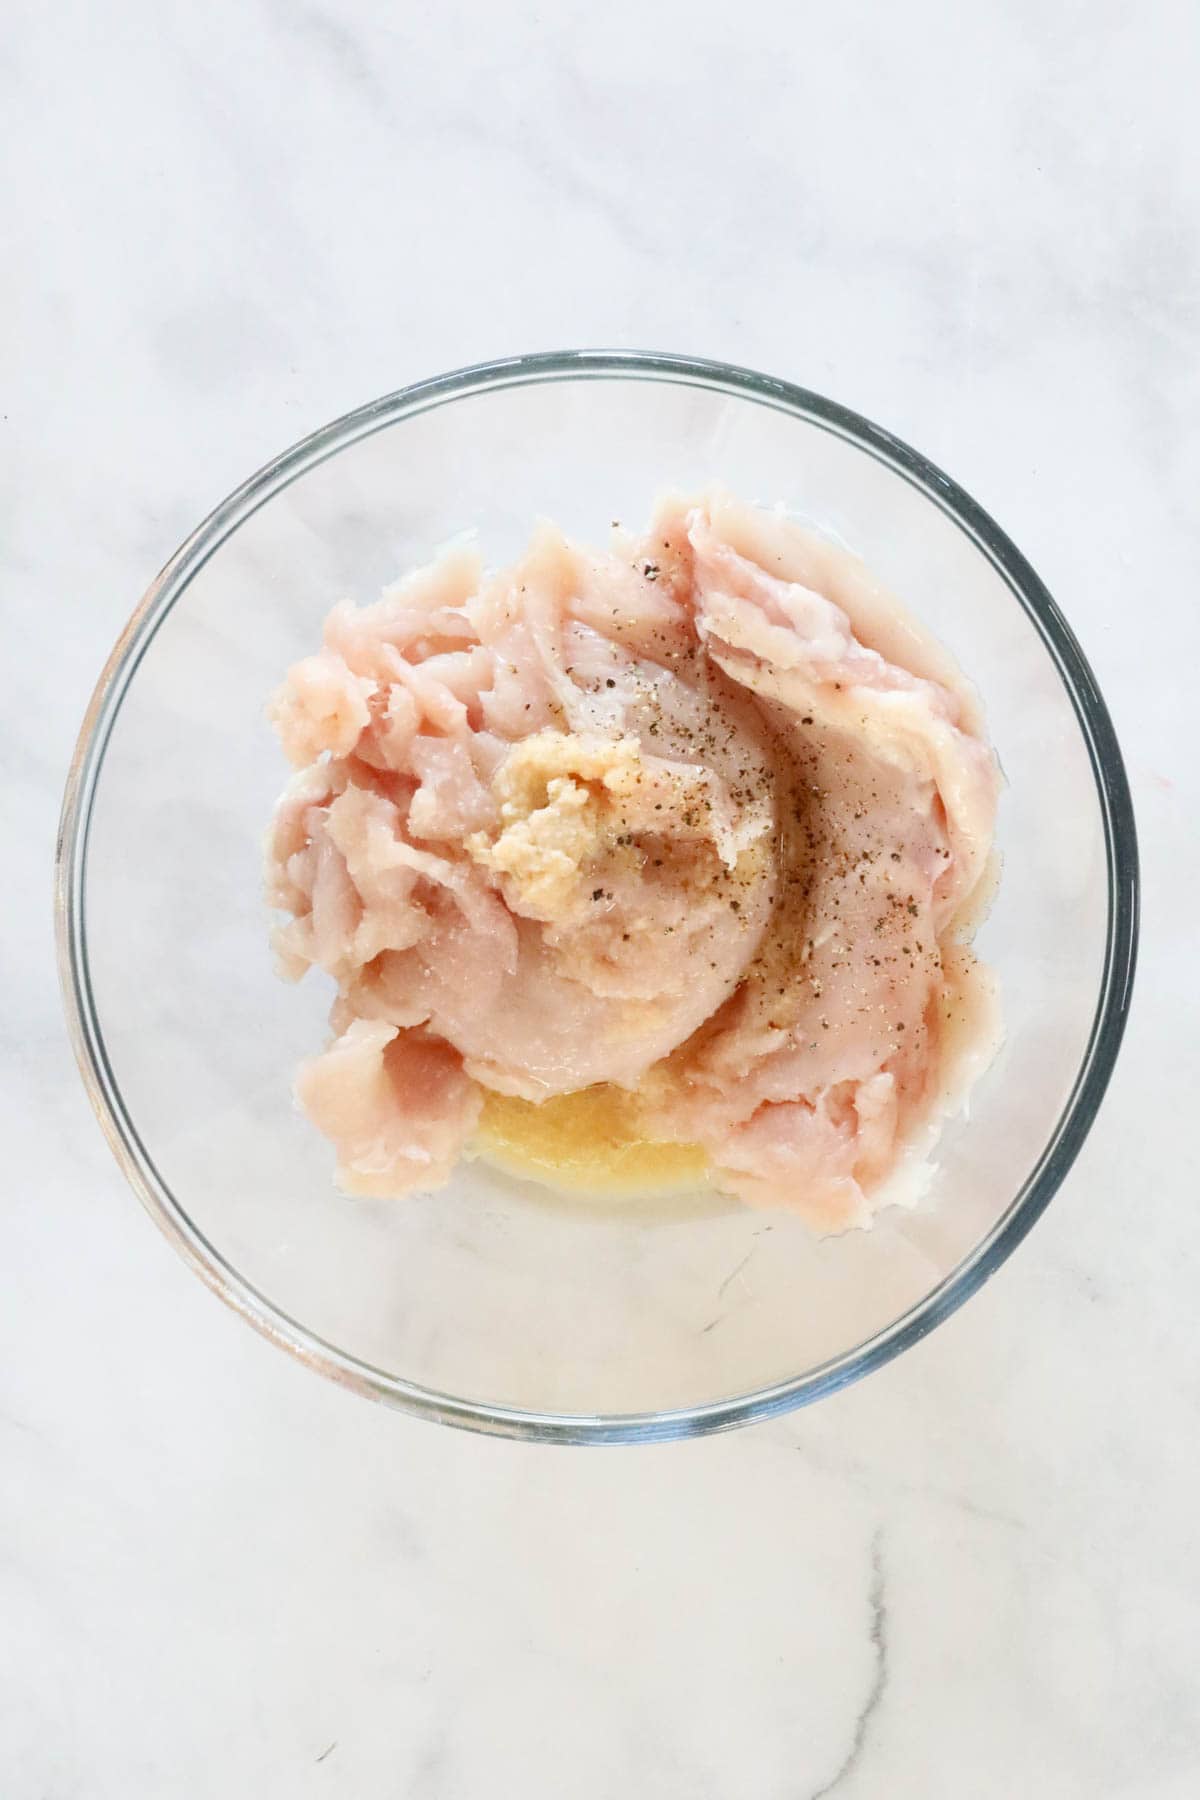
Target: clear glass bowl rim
{"x": 1113, "y": 1001}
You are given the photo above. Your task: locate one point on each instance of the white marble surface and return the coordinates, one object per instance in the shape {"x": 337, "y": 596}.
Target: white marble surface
{"x": 976, "y": 1574}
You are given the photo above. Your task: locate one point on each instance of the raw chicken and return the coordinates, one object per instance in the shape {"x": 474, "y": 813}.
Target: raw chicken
{"x": 696, "y": 820}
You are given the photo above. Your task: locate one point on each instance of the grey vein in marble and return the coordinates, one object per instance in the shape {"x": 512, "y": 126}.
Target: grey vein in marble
{"x": 877, "y": 1634}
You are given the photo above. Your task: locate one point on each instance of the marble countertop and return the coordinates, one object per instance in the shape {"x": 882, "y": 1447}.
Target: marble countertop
{"x": 978, "y": 1572}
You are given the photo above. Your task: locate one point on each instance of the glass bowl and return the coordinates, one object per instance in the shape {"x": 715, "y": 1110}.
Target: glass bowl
{"x": 492, "y": 1304}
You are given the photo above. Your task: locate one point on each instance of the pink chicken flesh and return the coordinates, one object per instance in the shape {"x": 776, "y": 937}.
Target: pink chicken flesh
{"x": 700, "y": 817}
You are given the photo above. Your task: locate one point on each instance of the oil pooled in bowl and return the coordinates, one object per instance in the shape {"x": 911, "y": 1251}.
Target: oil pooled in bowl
{"x": 590, "y": 1143}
